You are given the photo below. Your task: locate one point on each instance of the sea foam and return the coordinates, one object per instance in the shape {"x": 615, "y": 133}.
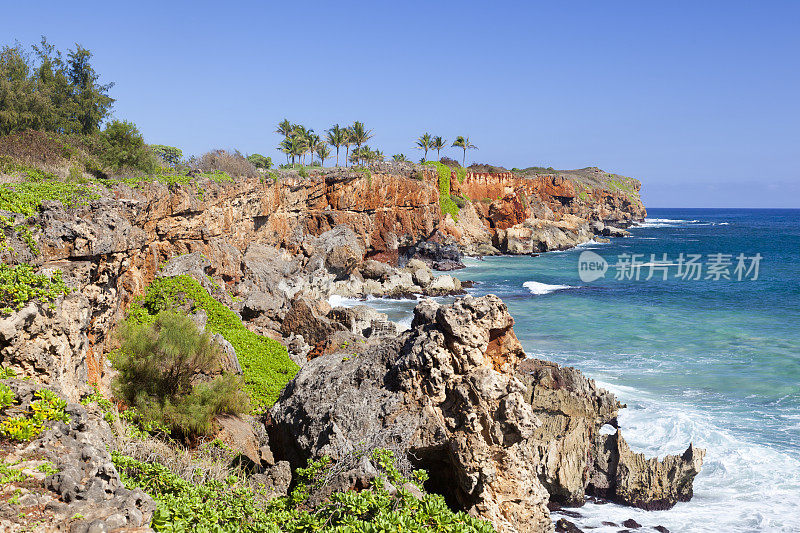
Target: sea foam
{"x": 538, "y": 288}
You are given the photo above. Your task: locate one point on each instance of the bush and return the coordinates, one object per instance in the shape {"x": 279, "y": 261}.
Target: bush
{"x": 231, "y": 163}
{"x": 265, "y": 362}
{"x": 47, "y": 407}
{"x": 452, "y": 163}
{"x": 124, "y": 148}
{"x": 157, "y": 364}
{"x": 35, "y": 147}
{"x": 168, "y": 154}
{"x": 260, "y": 161}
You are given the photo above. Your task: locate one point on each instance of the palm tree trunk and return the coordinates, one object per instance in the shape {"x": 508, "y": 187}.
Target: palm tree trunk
{"x": 337, "y": 156}
{"x": 464, "y": 160}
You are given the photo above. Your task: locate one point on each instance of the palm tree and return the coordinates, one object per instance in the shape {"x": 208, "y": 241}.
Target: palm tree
{"x": 399, "y": 157}
{"x": 463, "y": 143}
{"x": 298, "y": 146}
{"x": 312, "y": 140}
{"x": 424, "y": 143}
{"x": 438, "y": 144}
{"x": 337, "y": 136}
{"x": 286, "y": 147}
{"x": 360, "y": 134}
{"x": 323, "y": 152}
{"x": 347, "y": 143}
{"x": 377, "y": 155}
{"x": 285, "y": 127}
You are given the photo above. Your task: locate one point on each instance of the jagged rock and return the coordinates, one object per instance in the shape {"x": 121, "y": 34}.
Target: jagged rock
{"x": 436, "y": 255}
{"x": 340, "y": 250}
{"x": 444, "y": 284}
{"x": 631, "y": 523}
{"x": 535, "y": 235}
{"x": 575, "y": 459}
{"x": 87, "y": 481}
{"x": 245, "y": 436}
{"x": 443, "y": 396}
{"x": 565, "y": 526}
{"x": 230, "y": 361}
{"x": 309, "y": 318}
{"x": 51, "y": 344}
{"x": 624, "y": 476}
{"x": 363, "y": 320}
{"x": 572, "y": 410}
{"x": 372, "y": 269}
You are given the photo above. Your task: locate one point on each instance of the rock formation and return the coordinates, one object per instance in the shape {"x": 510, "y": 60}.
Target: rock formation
{"x": 451, "y": 395}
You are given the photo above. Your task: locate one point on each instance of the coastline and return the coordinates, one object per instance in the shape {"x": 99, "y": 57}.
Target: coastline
{"x": 237, "y": 241}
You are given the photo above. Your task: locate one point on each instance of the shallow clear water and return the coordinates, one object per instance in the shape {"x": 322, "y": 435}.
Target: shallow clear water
{"x": 715, "y": 362}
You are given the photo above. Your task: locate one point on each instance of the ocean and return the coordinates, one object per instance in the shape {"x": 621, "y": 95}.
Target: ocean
{"x": 713, "y": 361}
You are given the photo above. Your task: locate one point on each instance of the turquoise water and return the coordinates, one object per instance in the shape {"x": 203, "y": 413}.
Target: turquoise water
{"x": 716, "y": 362}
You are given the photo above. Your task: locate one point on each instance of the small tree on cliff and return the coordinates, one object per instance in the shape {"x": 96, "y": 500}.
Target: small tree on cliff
{"x": 399, "y": 157}
{"x": 438, "y": 144}
{"x": 463, "y": 143}
{"x": 425, "y": 142}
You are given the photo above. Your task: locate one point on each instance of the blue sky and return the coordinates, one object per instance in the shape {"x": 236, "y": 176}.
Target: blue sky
{"x": 699, "y": 100}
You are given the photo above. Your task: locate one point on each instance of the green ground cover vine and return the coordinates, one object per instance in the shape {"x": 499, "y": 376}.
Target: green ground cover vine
{"x": 446, "y": 203}
{"x": 229, "y": 506}
{"x": 19, "y": 284}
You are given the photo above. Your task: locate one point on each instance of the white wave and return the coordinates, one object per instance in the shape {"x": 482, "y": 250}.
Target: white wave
{"x": 404, "y": 324}
{"x": 544, "y": 288}
{"x": 668, "y": 223}
{"x": 336, "y": 300}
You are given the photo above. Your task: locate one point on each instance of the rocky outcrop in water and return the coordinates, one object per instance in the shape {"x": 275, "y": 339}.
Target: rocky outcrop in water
{"x": 576, "y": 460}
{"x": 500, "y": 438}
{"x": 444, "y": 396}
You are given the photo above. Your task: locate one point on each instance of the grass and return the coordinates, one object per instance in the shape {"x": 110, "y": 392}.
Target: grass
{"x": 265, "y": 362}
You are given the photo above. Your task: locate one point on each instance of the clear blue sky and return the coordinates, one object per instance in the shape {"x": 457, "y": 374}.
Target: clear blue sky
{"x": 699, "y": 100}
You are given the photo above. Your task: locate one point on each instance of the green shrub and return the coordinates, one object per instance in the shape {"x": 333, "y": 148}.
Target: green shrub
{"x": 19, "y": 284}
{"x": 265, "y": 362}
{"x": 47, "y": 407}
{"x": 157, "y": 363}
{"x": 446, "y": 203}
{"x": 10, "y": 475}
{"x": 260, "y": 161}
{"x": 7, "y": 396}
{"x": 221, "y": 507}
{"x": 168, "y": 154}
{"x": 124, "y": 148}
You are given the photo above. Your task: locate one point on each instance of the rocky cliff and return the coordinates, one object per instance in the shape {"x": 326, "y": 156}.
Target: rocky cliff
{"x": 502, "y": 437}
